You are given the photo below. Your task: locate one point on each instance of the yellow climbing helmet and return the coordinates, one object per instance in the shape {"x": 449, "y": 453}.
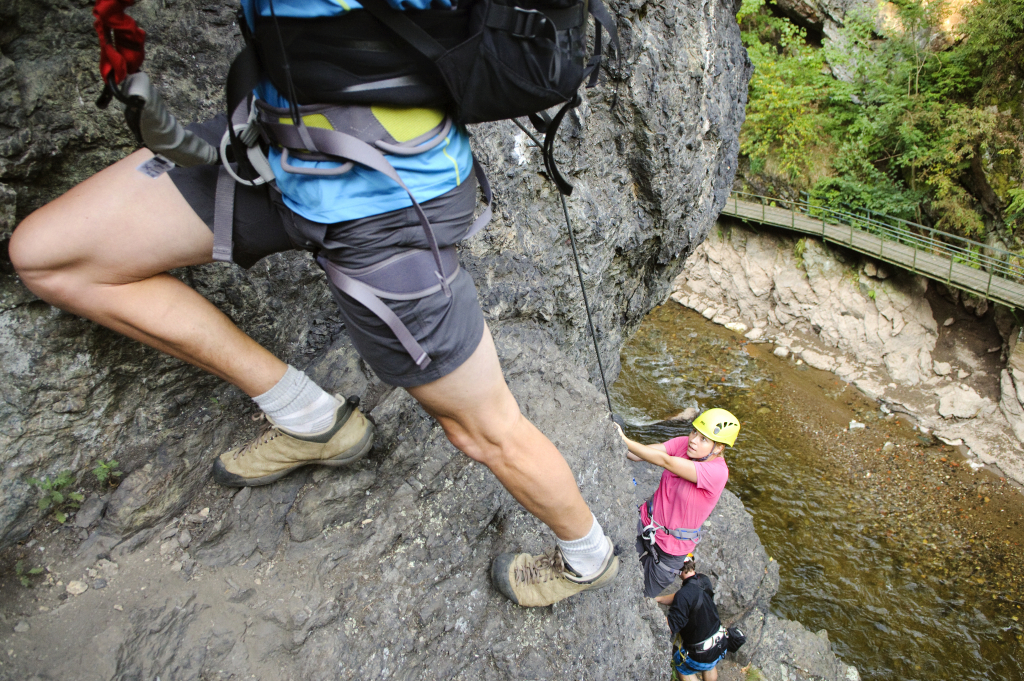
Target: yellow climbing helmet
{"x": 718, "y": 425}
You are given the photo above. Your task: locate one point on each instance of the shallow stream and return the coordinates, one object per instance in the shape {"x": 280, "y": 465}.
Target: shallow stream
{"x": 908, "y": 556}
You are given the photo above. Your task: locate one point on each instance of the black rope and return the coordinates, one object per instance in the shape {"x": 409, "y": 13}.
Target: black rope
{"x": 579, "y": 273}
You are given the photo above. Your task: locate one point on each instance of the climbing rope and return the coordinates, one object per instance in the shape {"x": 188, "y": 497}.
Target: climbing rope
{"x": 579, "y": 273}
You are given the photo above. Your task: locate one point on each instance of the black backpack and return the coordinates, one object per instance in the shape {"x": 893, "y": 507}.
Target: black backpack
{"x": 485, "y": 60}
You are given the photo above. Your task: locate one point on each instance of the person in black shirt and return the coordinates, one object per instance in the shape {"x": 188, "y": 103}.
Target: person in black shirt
{"x": 699, "y": 641}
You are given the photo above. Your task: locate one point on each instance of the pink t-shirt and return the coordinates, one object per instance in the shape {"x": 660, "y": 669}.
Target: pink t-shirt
{"x": 679, "y": 503}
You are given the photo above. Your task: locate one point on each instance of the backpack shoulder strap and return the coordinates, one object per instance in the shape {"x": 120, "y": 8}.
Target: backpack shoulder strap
{"x": 405, "y": 28}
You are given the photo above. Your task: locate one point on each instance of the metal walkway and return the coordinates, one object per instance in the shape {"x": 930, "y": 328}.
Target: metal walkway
{"x": 961, "y": 263}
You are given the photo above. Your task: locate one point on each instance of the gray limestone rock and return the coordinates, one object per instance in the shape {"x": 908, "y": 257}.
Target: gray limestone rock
{"x": 872, "y": 322}
{"x": 652, "y": 153}
{"x": 90, "y": 512}
{"x": 380, "y": 570}
{"x": 782, "y": 650}
{"x": 960, "y": 401}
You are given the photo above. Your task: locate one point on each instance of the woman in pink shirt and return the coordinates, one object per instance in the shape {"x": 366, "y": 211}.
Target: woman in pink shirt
{"x": 694, "y": 477}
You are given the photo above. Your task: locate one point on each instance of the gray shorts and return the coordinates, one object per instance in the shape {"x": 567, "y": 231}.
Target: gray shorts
{"x": 448, "y": 329}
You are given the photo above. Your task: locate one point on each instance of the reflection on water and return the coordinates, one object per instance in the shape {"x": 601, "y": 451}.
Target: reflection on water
{"x": 888, "y": 612}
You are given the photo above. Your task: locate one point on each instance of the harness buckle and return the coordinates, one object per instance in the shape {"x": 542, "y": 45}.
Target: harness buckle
{"x": 528, "y": 23}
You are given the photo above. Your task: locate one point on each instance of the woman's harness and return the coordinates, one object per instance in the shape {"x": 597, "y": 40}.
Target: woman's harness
{"x": 649, "y": 531}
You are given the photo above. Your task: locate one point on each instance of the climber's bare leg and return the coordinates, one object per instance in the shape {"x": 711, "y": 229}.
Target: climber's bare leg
{"x": 481, "y": 417}
{"x": 102, "y": 250}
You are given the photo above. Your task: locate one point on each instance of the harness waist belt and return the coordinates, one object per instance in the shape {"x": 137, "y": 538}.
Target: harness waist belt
{"x": 709, "y": 643}
{"x": 682, "y": 533}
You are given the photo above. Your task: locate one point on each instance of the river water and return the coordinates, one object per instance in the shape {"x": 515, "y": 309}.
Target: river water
{"x": 909, "y": 558}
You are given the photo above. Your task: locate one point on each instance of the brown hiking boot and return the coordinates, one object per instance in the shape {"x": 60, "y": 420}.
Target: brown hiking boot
{"x": 276, "y": 452}
{"x": 534, "y": 581}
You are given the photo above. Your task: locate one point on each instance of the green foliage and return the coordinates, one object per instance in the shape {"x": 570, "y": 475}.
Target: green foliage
{"x": 25, "y": 576}
{"x": 106, "y": 472}
{"x": 785, "y": 93}
{"x": 799, "y": 248}
{"x": 924, "y": 123}
{"x": 1015, "y": 211}
{"x": 53, "y": 496}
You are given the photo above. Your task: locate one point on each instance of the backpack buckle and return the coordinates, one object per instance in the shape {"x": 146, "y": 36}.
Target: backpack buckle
{"x": 527, "y": 23}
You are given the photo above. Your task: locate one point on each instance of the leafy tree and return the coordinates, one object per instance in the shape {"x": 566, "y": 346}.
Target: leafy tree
{"x": 924, "y": 123}
{"x": 786, "y": 91}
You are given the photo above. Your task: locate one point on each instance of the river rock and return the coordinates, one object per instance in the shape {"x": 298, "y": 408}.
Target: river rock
{"x": 818, "y": 360}
{"x": 960, "y": 401}
{"x": 76, "y": 588}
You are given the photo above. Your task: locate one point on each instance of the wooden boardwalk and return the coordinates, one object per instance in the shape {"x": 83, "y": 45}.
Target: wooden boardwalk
{"x": 925, "y": 261}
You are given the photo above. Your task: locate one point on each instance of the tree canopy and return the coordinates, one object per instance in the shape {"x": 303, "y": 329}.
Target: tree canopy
{"x": 914, "y": 111}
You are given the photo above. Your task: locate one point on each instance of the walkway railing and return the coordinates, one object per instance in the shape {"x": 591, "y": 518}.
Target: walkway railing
{"x": 969, "y": 265}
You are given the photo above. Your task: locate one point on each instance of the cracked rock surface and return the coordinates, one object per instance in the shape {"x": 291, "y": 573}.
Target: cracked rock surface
{"x": 379, "y": 570}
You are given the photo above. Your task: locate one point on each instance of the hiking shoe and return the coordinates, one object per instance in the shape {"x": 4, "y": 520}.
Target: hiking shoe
{"x": 276, "y": 452}
{"x": 533, "y": 581}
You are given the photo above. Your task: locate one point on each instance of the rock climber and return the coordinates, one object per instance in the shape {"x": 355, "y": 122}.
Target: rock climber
{"x": 691, "y": 484}
{"x": 699, "y": 641}
{"x": 103, "y": 251}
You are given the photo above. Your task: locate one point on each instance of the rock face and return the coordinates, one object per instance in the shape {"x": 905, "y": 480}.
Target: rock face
{"x": 395, "y": 584}
{"x": 379, "y": 571}
{"x": 652, "y": 154}
{"x": 826, "y": 16}
{"x": 740, "y": 276}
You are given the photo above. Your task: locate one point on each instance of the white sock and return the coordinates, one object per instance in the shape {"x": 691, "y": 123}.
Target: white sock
{"x": 298, "y": 404}
{"x": 586, "y": 555}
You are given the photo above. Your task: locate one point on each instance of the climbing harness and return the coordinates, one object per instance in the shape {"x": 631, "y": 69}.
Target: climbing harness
{"x": 348, "y": 135}
{"x": 710, "y": 643}
{"x": 649, "y": 531}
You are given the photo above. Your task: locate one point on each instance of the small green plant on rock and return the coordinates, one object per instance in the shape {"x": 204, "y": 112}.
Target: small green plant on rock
{"x": 25, "y": 576}
{"x": 798, "y": 250}
{"x": 54, "y": 498}
{"x": 106, "y": 472}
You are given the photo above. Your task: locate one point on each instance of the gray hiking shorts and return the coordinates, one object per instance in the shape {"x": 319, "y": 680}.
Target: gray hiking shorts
{"x": 448, "y": 329}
